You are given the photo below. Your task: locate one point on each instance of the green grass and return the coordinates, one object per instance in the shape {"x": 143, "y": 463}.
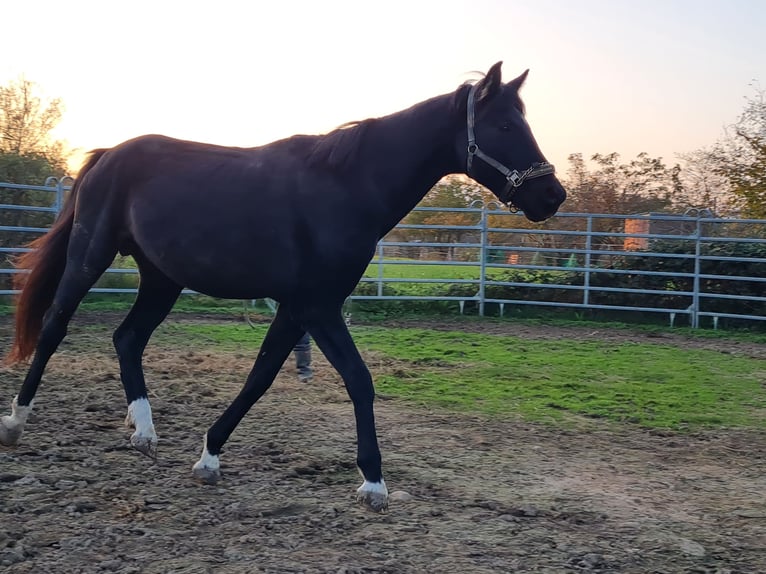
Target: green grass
{"x": 412, "y": 270}
{"x": 122, "y": 302}
{"x": 650, "y": 385}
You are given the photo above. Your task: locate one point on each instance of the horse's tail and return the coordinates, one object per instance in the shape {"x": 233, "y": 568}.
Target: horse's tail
{"x": 45, "y": 262}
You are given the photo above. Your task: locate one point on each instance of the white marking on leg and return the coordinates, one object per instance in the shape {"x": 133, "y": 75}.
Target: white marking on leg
{"x": 207, "y": 468}
{"x": 140, "y": 416}
{"x": 11, "y": 426}
{"x": 208, "y": 461}
{"x": 373, "y": 487}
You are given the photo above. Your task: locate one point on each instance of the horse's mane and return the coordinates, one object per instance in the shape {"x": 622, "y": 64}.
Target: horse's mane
{"x": 338, "y": 148}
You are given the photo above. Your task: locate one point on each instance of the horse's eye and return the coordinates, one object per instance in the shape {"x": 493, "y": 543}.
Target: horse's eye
{"x": 506, "y": 126}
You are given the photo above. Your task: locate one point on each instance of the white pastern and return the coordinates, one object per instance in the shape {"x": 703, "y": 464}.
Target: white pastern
{"x": 378, "y": 488}
{"x": 207, "y": 468}
{"x": 208, "y": 461}
{"x": 11, "y": 426}
{"x": 139, "y": 416}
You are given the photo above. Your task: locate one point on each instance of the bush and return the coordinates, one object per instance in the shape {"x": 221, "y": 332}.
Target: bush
{"x": 671, "y": 267}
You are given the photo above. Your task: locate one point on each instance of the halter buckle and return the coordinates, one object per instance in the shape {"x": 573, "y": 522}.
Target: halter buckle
{"x": 515, "y": 178}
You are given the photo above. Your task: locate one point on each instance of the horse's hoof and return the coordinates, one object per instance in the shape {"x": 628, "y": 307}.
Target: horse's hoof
{"x": 373, "y": 496}
{"x": 11, "y": 426}
{"x": 207, "y": 468}
{"x": 145, "y": 444}
{"x": 373, "y": 501}
{"x": 9, "y": 432}
{"x": 206, "y": 475}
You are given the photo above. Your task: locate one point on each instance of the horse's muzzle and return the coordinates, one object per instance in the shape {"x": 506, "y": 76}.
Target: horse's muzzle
{"x": 547, "y": 202}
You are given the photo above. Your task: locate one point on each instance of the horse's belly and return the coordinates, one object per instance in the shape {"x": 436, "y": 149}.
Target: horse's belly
{"x": 229, "y": 277}
{"x": 251, "y": 254}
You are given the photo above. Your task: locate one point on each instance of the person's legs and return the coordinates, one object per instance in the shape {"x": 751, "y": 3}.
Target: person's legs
{"x": 302, "y": 354}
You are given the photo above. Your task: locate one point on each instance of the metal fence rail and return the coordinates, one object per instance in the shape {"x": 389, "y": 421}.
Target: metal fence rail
{"x": 692, "y": 265}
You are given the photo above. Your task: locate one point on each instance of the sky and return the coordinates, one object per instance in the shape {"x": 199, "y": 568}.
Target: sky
{"x": 657, "y": 76}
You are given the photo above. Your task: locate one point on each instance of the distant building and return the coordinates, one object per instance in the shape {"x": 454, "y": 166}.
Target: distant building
{"x": 638, "y": 226}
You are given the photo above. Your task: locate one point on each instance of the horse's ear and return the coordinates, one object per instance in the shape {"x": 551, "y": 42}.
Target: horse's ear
{"x": 516, "y": 83}
{"x": 490, "y": 84}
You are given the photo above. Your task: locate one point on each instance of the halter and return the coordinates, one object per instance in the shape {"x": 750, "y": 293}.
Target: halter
{"x": 514, "y": 178}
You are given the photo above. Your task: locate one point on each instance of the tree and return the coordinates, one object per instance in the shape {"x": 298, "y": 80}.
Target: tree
{"x": 641, "y": 185}
{"x": 607, "y": 185}
{"x": 704, "y": 187}
{"x": 28, "y": 155}
{"x": 28, "y": 151}
{"x": 740, "y": 158}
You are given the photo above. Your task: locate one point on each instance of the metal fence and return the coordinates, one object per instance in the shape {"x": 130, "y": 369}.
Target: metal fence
{"x": 693, "y": 266}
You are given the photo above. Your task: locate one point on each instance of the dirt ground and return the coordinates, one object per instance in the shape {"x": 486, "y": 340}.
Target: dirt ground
{"x": 487, "y": 495}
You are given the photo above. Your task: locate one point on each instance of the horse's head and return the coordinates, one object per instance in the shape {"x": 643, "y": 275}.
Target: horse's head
{"x": 500, "y": 151}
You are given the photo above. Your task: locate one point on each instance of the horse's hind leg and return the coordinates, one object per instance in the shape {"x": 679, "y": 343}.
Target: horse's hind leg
{"x": 88, "y": 258}
{"x": 156, "y": 296}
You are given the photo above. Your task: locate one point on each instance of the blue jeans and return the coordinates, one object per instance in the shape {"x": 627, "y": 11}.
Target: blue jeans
{"x": 302, "y": 354}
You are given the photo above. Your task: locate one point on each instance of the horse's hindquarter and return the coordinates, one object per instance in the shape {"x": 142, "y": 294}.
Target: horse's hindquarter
{"x": 249, "y": 227}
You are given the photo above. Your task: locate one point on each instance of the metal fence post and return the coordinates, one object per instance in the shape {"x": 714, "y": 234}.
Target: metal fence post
{"x": 58, "y": 199}
{"x": 59, "y": 196}
{"x": 588, "y": 245}
{"x": 696, "y": 286}
{"x": 60, "y": 184}
{"x": 483, "y": 254}
{"x": 380, "y": 270}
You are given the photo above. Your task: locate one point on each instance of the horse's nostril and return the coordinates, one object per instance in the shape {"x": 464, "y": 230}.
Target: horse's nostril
{"x": 557, "y": 194}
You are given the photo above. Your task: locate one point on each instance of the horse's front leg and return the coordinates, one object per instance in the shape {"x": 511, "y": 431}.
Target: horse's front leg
{"x": 282, "y": 336}
{"x": 336, "y": 343}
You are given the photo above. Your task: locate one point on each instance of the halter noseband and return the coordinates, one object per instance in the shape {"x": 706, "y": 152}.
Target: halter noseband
{"x": 514, "y": 178}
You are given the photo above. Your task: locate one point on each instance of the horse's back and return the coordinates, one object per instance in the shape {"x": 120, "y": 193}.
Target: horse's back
{"x": 155, "y": 156}
{"x": 227, "y": 221}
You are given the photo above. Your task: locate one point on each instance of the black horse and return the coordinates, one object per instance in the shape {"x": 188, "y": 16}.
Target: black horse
{"x": 297, "y": 220}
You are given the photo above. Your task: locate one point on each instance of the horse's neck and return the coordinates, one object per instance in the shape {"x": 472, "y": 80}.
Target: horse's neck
{"x": 411, "y": 151}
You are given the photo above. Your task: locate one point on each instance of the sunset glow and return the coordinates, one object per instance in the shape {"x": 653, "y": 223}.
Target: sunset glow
{"x": 662, "y": 77}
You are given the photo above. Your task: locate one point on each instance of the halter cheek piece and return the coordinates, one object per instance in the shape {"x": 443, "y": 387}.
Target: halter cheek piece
{"x": 514, "y": 178}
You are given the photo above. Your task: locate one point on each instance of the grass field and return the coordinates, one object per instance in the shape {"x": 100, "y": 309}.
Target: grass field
{"x": 647, "y": 384}
{"x": 409, "y": 269}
